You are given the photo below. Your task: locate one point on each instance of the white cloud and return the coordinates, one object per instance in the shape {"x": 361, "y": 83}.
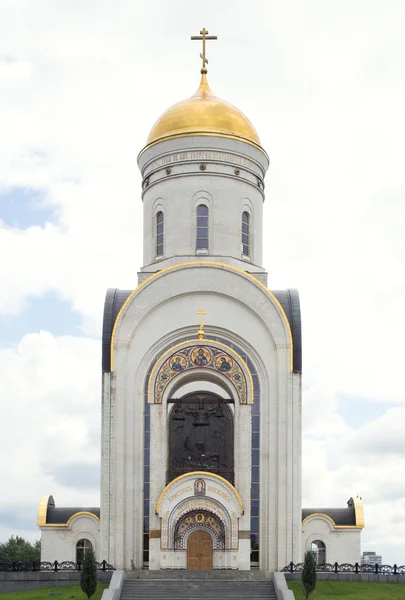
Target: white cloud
{"x": 51, "y": 400}
{"x": 80, "y": 90}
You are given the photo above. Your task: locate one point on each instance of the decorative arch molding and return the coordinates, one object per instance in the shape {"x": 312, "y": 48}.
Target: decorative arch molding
{"x": 80, "y": 514}
{"x": 202, "y": 197}
{"x": 202, "y": 505}
{"x": 316, "y": 537}
{"x": 85, "y": 535}
{"x": 321, "y": 517}
{"x": 202, "y": 376}
{"x": 158, "y": 204}
{"x": 200, "y": 520}
{"x": 201, "y": 355}
{"x": 215, "y": 538}
{"x": 247, "y": 204}
{"x": 182, "y": 496}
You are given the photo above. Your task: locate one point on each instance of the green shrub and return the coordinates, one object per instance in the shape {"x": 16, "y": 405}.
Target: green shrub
{"x": 88, "y": 575}
{"x": 308, "y": 576}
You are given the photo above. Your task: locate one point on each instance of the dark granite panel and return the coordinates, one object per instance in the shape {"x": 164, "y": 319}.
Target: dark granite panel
{"x": 289, "y": 300}
{"x": 113, "y": 303}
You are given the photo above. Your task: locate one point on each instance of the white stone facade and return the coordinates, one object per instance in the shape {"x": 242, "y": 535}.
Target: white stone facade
{"x": 59, "y": 542}
{"x": 160, "y": 313}
{"x": 342, "y": 544}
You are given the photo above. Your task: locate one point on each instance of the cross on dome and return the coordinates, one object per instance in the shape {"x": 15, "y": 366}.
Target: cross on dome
{"x": 203, "y": 114}
{"x": 204, "y": 36}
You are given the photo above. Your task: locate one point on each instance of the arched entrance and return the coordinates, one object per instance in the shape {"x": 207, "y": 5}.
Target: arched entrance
{"x": 199, "y": 550}
{"x": 200, "y": 501}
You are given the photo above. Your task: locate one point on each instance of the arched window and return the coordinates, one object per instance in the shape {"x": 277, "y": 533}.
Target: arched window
{"x": 202, "y": 227}
{"x": 319, "y": 551}
{"x": 159, "y": 233}
{"x": 245, "y": 234}
{"x": 81, "y": 547}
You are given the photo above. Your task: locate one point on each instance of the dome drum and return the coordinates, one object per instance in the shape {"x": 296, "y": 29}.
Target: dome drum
{"x": 201, "y": 161}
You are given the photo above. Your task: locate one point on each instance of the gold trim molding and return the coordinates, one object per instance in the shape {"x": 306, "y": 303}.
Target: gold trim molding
{"x": 359, "y": 511}
{"x": 42, "y": 510}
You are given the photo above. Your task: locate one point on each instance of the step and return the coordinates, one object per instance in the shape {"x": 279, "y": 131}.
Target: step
{"x": 197, "y": 589}
{"x": 216, "y": 574}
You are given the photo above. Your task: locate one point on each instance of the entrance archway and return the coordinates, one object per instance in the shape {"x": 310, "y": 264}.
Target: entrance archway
{"x": 199, "y": 550}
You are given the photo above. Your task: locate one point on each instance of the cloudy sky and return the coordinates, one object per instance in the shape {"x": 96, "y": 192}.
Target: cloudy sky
{"x": 81, "y": 84}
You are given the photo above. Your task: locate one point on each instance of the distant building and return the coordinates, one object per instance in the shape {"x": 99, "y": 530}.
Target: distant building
{"x": 371, "y": 558}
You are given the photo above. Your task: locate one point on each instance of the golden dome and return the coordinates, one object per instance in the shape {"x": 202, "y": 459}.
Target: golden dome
{"x": 203, "y": 114}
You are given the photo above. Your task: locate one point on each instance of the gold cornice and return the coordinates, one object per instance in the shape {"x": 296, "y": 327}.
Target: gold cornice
{"x": 202, "y": 342}
{"x": 200, "y": 264}
{"x": 200, "y": 474}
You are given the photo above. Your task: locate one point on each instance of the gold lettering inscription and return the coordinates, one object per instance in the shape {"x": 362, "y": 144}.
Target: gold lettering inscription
{"x": 180, "y": 492}
{"x": 205, "y": 155}
{"x": 221, "y": 493}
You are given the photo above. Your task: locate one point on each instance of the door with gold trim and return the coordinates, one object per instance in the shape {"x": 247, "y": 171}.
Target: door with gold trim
{"x": 199, "y": 550}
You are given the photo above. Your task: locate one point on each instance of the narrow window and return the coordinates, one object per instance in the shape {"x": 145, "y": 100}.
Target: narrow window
{"x": 202, "y": 227}
{"x": 159, "y": 233}
{"x": 319, "y": 551}
{"x": 81, "y": 547}
{"x": 245, "y": 234}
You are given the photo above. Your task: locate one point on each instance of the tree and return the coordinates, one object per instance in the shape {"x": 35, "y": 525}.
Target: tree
{"x": 308, "y": 575}
{"x": 17, "y": 549}
{"x": 88, "y": 575}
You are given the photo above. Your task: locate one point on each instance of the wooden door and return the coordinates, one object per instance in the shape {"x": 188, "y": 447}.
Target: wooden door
{"x": 199, "y": 550}
{"x": 206, "y": 550}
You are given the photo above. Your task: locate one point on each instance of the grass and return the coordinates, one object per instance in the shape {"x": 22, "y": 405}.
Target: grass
{"x": 350, "y": 590}
{"x": 67, "y": 592}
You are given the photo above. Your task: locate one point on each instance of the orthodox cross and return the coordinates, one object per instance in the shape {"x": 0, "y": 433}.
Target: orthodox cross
{"x": 204, "y": 36}
{"x": 200, "y": 333}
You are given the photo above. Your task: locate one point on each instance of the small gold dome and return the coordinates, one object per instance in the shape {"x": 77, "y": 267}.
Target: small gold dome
{"x": 203, "y": 114}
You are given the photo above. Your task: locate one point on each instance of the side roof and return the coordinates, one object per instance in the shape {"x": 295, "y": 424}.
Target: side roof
{"x": 288, "y": 299}
{"x": 49, "y": 514}
{"x": 352, "y": 516}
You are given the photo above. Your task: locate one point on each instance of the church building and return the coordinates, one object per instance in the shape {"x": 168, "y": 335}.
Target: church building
{"x": 201, "y": 373}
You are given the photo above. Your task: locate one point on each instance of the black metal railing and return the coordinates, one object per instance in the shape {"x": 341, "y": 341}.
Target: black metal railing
{"x": 375, "y": 569}
{"x": 55, "y": 566}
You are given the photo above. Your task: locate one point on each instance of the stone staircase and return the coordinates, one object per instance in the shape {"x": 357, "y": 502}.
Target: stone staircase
{"x": 197, "y": 585}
